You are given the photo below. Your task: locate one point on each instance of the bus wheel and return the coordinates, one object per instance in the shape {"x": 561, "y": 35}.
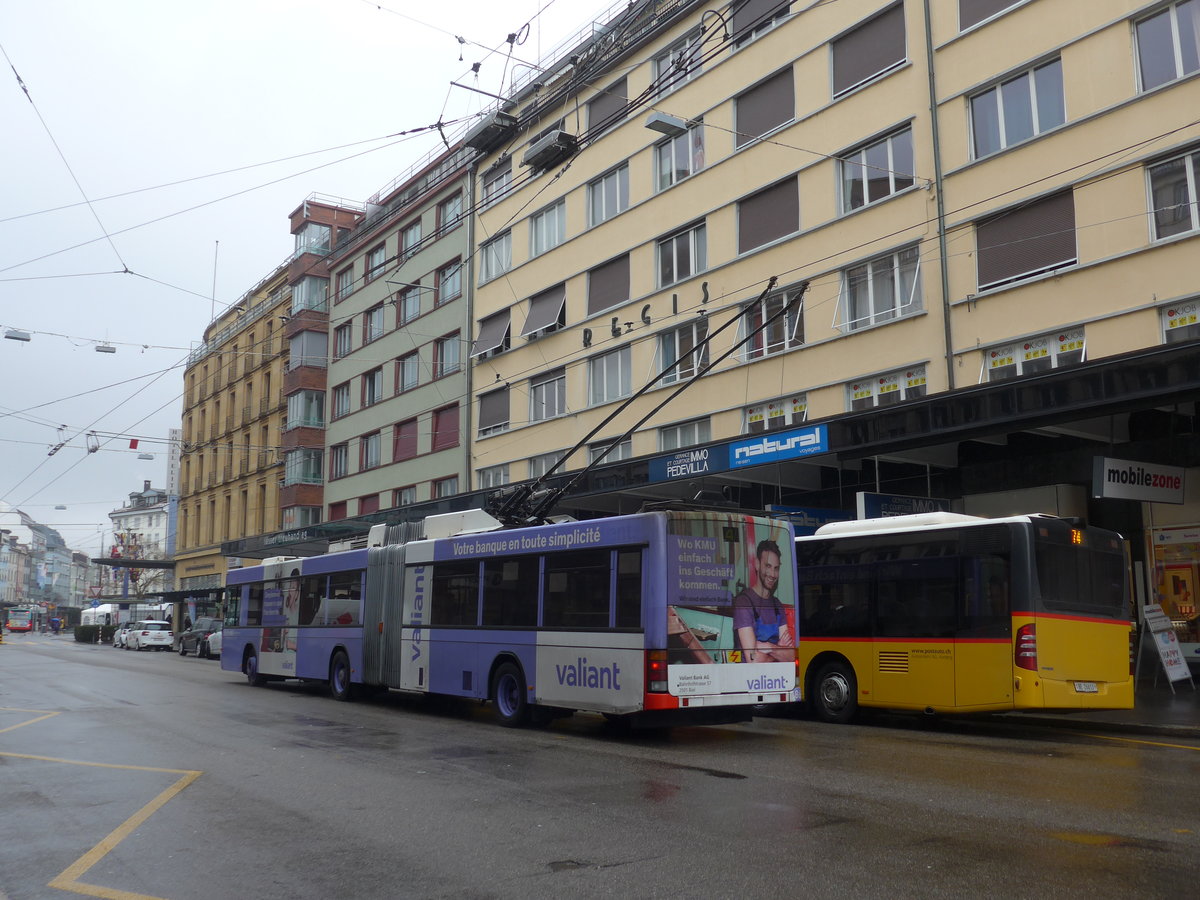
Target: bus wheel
{"x": 508, "y": 690}
{"x": 835, "y": 693}
{"x": 250, "y": 667}
{"x": 340, "y": 685}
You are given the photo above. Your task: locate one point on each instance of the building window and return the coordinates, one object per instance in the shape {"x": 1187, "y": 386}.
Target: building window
{"x": 678, "y": 345}
{"x": 784, "y": 333}
{"x": 878, "y": 170}
{"x": 306, "y": 409}
{"x": 754, "y": 17}
{"x": 492, "y": 477}
{"x": 1039, "y": 354}
{"x": 408, "y": 372}
{"x": 764, "y": 108}
{"x": 445, "y": 487}
{"x": 375, "y": 262}
{"x": 608, "y": 195}
{"x": 685, "y": 434}
{"x": 616, "y": 451}
{"x": 1168, "y": 44}
{"x": 1180, "y": 322}
{"x": 678, "y": 64}
{"x": 373, "y": 324}
{"x": 608, "y": 284}
{"x": 308, "y": 348}
{"x": 368, "y": 504}
{"x": 303, "y": 466}
{"x": 548, "y": 228}
{"x": 607, "y": 109}
{"x": 497, "y": 182}
{"x": 1017, "y": 109}
{"x": 449, "y": 212}
{"x": 313, "y": 238}
{"x": 880, "y": 290}
{"x": 339, "y": 456}
{"x": 368, "y": 452}
{"x": 449, "y": 282}
{"x": 886, "y": 390}
{"x": 493, "y": 412}
{"x": 775, "y": 415}
{"x": 343, "y": 340}
{"x": 372, "y": 387}
{"x": 341, "y": 400}
{"x": 769, "y": 215}
{"x": 345, "y": 283}
{"x": 404, "y": 440}
{"x": 869, "y": 51}
{"x": 682, "y": 255}
{"x": 609, "y": 376}
{"x": 446, "y": 355}
{"x": 445, "y": 427}
{"x": 337, "y": 511}
{"x": 1026, "y": 241}
{"x": 547, "y": 312}
{"x": 310, "y": 292}
{"x": 300, "y": 517}
{"x": 408, "y": 304}
{"x": 495, "y": 257}
{"x": 410, "y": 240}
{"x": 405, "y": 496}
{"x": 1173, "y": 195}
{"x": 540, "y": 465}
{"x": 972, "y": 12}
{"x": 548, "y": 395}
{"x": 679, "y": 157}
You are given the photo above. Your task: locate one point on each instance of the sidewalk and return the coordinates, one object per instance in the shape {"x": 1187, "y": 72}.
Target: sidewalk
{"x": 1156, "y": 711}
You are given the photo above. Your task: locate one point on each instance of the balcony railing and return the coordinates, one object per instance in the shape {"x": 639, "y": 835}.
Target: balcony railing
{"x": 229, "y": 423}
{"x": 246, "y": 416}
{"x": 264, "y": 406}
{"x": 228, "y": 472}
{"x": 212, "y": 479}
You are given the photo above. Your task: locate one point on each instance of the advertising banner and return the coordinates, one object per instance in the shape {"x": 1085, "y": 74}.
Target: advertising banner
{"x": 1125, "y": 479}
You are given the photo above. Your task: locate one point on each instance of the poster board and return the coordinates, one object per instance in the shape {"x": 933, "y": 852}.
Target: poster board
{"x": 1162, "y": 634}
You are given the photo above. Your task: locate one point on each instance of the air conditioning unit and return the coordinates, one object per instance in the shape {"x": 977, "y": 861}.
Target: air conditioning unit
{"x": 546, "y": 151}
{"x": 491, "y": 131}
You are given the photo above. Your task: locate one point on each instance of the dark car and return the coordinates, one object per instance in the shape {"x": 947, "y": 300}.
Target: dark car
{"x": 191, "y": 640}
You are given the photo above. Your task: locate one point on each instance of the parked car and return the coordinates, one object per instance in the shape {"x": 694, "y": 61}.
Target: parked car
{"x": 210, "y": 647}
{"x": 150, "y": 634}
{"x": 121, "y": 633}
{"x": 191, "y": 638}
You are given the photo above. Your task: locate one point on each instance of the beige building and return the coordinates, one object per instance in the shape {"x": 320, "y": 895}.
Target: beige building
{"x": 233, "y": 414}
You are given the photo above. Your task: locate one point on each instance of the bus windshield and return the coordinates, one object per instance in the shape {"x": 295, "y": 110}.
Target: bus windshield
{"x": 1079, "y": 571}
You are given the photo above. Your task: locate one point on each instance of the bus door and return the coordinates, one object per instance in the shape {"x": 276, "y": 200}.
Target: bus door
{"x": 983, "y": 673}
{"x": 915, "y": 628}
{"x": 382, "y": 611}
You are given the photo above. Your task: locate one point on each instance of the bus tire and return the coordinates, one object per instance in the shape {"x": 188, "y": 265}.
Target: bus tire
{"x": 250, "y": 667}
{"x": 340, "y": 686}
{"x": 509, "y": 695}
{"x": 835, "y": 693}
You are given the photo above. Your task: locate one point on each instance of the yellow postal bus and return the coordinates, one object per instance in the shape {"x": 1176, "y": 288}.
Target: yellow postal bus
{"x": 946, "y": 613}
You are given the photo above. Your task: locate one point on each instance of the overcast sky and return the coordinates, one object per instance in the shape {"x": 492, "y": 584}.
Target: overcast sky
{"x": 131, "y": 95}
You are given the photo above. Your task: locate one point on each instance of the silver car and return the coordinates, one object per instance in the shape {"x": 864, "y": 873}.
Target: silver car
{"x": 150, "y": 634}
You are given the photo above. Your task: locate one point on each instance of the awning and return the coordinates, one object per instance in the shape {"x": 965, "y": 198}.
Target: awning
{"x": 545, "y": 309}
{"x": 493, "y": 409}
{"x": 493, "y": 332}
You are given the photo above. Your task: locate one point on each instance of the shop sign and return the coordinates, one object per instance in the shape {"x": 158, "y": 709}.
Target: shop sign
{"x": 878, "y": 506}
{"x": 687, "y": 464}
{"x": 777, "y": 446}
{"x": 1162, "y": 632}
{"x": 1124, "y": 479}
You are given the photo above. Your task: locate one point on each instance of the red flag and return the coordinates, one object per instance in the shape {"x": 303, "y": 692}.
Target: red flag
{"x": 133, "y": 444}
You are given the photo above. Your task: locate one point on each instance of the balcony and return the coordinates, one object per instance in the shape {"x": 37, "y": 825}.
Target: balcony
{"x": 228, "y": 473}
{"x": 212, "y": 479}
{"x": 198, "y": 484}
{"x": 218, "y": 381}
{"x": 229, "y": 423}
{"x": 246, "y": 414}
{"x": 244, "y": 465}
{"x": 264, "y": 406}
{"x": 212, "y": 432}
{"x": 264, "y": 458}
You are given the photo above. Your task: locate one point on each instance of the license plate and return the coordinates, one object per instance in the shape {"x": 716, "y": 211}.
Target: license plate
{"x": 1086, "y": 687}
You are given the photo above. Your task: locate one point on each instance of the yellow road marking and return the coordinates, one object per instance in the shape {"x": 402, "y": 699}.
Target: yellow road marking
{"x": 68, "y": 880}
{"x": 47, "y": 714}
{"x": 1108, "y": 737}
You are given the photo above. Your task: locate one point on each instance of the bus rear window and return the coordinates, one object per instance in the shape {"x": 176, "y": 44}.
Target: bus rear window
{"x": 1077, "y": 579}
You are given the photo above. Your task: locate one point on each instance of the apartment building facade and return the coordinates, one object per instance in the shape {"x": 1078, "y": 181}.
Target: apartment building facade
{"x": 966, "y": 228}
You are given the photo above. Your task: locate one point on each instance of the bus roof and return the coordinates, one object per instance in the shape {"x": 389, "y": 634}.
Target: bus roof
{"x": 908, "y": 523}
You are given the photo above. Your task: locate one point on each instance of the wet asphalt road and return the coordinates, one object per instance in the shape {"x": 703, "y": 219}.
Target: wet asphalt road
{"x": 125, "y": 774}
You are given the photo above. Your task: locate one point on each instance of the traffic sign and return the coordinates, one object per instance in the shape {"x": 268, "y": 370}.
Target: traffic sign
{"x": 95, "y": 603}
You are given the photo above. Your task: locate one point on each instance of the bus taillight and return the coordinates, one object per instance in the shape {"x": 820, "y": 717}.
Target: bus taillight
{"x": 1026, "y": 653}
{"x": 656, "y": 671}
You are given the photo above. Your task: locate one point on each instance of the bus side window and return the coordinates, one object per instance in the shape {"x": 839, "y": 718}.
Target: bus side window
{"x": 510, "y": 592}
{"x": 455, "y": 593}
{"x": 577, "y": 589}
{"x": 629, "y": 589}
{"x": 254, "y": 604}
{"x": 312, "y": 589}
{"x": 233, "y": 603}
{"x": 340, "y": 606}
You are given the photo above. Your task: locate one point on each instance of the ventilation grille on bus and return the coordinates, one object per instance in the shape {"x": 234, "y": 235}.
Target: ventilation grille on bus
{"x": 893, "y": 661}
